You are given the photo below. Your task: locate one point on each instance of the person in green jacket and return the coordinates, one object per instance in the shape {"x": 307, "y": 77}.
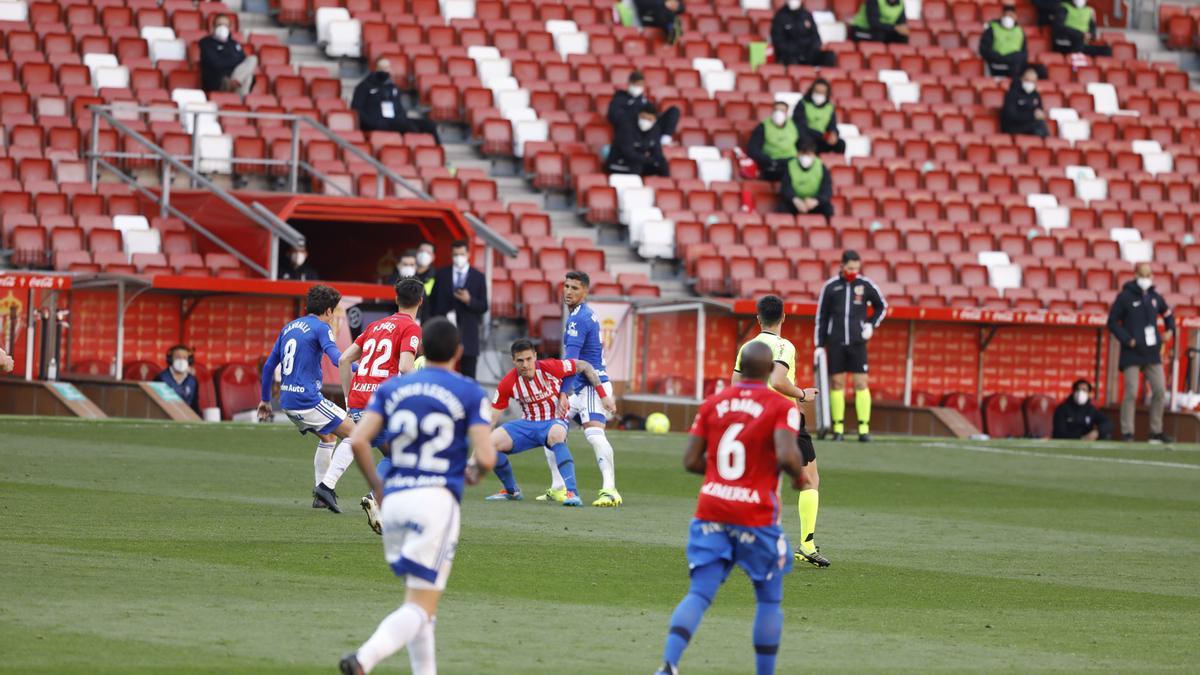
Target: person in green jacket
{"x": 773, "y": 143}
{"x": 816, "y": 117}
{"x": 880, "y": 21}
{"x": 1002, "y": 44}
{"x": 806, "y": 186}
{"x": 1074, "y": 24}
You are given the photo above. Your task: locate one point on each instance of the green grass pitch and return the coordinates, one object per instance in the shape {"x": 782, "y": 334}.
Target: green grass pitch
{"x": 138, "y": 547}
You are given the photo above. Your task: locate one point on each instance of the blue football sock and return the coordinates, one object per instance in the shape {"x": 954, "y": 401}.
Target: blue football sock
{"x": 504, "y": 472}
{"x": 686, "y": 619}
{"x": 768, "y": 624}
{"x": 382, "y": 469}
{"x": 566, "y": 465}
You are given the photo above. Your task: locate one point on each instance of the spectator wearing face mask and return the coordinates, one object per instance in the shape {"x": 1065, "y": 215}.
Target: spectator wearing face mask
{"x": 773, "y": 143}
{"x": 638, "y": 149}
{"x": 461, "y": 291}
{"x": 427, "y": 275}
{"x": 1002, "y": 44}
{"x": 806, "y": 186}
{"x": 795, "y": 38}
{"x": 380, "y": 106}
{"x": 663, "y": 15}
{"x": 223, "y": 64}
{"x": 406, "y": 266}
{"x": 296, "y": 267}
{"x": 628, "y": 103}
{"x": 178, "y": 376}
{"x": 1022, "y": 112}
{"x": 1074, "y": 24}
{"x": 1133, "y": 321}
{"x": 880, "y": 21}
{"x": 1077, "y": 419}
{"x": 816, "y": 117}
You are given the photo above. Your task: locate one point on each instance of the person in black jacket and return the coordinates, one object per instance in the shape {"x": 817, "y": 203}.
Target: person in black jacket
{"x": 462, "y": 289}
{"x": 1073, "y": 24}
{"x": 1133, "y": 321}
{"x": 179, "y": 376}
{"x": 816, "y": 117}
{"x": 638, "y": 149}
{"x": 1022, "y": 112}
{"x": 661, "y": 14}
{"x": 1077, "y": 419}
{"x": 795, "y": 38}
{"x": 842, "y": 331}
{"x": 627, "y": 104}
{"x": 223, "y": 64}
{"x": 379, "y": 105}
{"x": 295, "y": 266}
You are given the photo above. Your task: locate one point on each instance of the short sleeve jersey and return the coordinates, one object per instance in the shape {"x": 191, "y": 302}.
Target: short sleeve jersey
{"x": 741, "y": 479}
{"x": 382, "y": 343}
{"x": 426, "y": 416}
{"x": 538, "y": 396}
{"x": 298, "y": 351}
{"x": 782, "y": 351}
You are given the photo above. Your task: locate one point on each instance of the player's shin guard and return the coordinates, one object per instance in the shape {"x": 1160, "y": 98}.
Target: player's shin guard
{"x": 556, "y": 478}
{"x": 809, "y": 501}
{"x": 504, "y": 472}
{"x": 342, "y": 458}
{"x": 862, "y": 408}
{"x": 382, "y": 469}
{"x": 768, "y": 624}
{"x": 604, "y": 456}
{"x": 396, "y": 630}
{"x": 321, "y": 461}
{"x": 686, "y": 618}
{"x": 837, "y": 410}
{"x": 422, "y": 653}
{"x": 566, "y": 466}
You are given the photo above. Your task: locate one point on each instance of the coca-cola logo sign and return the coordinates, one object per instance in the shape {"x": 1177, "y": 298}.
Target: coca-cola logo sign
{"x": 9, "y": 280}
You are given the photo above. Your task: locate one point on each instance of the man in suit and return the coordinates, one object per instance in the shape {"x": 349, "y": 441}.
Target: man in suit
{"x": 462, "y": 290}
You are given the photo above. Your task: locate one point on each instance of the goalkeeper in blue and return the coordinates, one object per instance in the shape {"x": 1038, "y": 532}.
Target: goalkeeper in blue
{"x": 743, "y": 437}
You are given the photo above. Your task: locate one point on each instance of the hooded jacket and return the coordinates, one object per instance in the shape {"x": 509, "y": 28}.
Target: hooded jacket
{"x": 1134, "y": 316}
{"x": 370, "y": 97}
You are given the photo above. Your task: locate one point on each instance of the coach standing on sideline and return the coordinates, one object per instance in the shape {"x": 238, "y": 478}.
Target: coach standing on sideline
{"x": 462, "y": 289}
{"x": 842, "y": 331}
{"x": 1133, "y": 320}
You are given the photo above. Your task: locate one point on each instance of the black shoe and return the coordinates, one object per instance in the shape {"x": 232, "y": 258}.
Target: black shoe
{"x": 1128, "y": 438}
{"x": 838, "y": 437}
{"x": 1160, "y": 437}
{"x": 815, "y": 558}
{"x": 318, "y": 504}
{"x": 349, "y": 665}
{"x": 864, "y": 438}
{"x": 327, "y": 496}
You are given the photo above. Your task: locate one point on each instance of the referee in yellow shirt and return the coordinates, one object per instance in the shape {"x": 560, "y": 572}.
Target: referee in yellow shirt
{"x": 783, "y": 380}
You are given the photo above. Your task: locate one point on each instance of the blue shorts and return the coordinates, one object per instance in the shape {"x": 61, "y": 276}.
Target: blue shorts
{"x": 527, "y": 434}
{"x": 763, "y": 552}
{"x": 377, "y": 442}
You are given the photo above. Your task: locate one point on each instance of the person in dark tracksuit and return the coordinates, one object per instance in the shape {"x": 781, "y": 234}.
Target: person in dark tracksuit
{"x": 380, "y": 107}
{"x": 816, "y": 117}
{"x": 842, "y": 330}
{"x": 880, "y": 21}
{"x": 1133, "y": 321}
{"x": 638, "y": 149}
{"x": 1022, "y": 112}
{"x": 806, "y": 186}
{"x": 1077, "y": 418}
{"x": 1074, "y": 23}
{"x": 661, "y": 14}
{"x": 1002, "y": 45}
{"x": 795, "y": 38}
{"x": 627, "y": 104}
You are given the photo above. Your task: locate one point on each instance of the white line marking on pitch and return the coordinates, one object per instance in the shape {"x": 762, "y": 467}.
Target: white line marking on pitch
{"x": 1048, "y": 455}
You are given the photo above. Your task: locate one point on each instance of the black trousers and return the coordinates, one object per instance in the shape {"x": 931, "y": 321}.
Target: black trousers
{"x": 1070, "y": 41}
{"x": 1030, "y": 128}
{"x": 816, "y": 57}
{"x": 823, "y": 208}
{"x": 886, "y": 35}
{"x": 466, "y": 365}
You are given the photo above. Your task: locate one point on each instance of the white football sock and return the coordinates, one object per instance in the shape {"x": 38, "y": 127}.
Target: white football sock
{"x": 422, "y": 653}
{"x": 604, "y": 456}
{"x": 396, "y": 630}
{"x": 343, "y": 456}
{"x": 321, "y": 461}
{"x": 556, "y": 479}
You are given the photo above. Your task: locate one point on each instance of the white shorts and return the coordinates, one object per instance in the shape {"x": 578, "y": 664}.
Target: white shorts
{"x": 586, "y": 406}
{"x": 420, "y": 534}
{"x": 323, "y": 419}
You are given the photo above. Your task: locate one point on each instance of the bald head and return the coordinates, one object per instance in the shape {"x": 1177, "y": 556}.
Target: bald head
{"x": 757, "y": 361}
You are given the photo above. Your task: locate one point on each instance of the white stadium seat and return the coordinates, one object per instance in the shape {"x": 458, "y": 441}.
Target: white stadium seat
{"x": 216, "y": 154}
{"x": 658, "y": 239}
{"x": 1077, "y": 172}
{"x": 1091, "y": 189}
{"x": 517, "y": 115}
{"x": 326, "y": 16}
{"x": 1120, "y": 234}
{"x": 130, "y": 223}
{"x": 1137, "y": 251}
{"x": 526, "y": 131}
{"x": 1040, "y": 200}
{"x": 568, "y": 44}
{"x": 458, "y": 9}
{"x": 13, "y": 11}
{"x": 711, "y": 170}
{"x": 991, "y": 258}
{"x": 1054, "y": 217}
{"x": 510, "y": 99}
{"x": 705, "y": 65}
{"x": 168, "y": 50}
{"x": 1061, "y": 115}
{"x": 900, "y": 93}
{"x": 142, "y": 241}
{"x": 624, "y": 181}
{"x": 482, "y": 52}
{"x": 116, "y": 77}
{"x": 637, "y": 219}
{"x": 892, "y": 76}
{"x": 496, "y": 74}
{"x": 756, "y": 4}
{"x": 718, "y": 80}
{"x": 791, "y": 98}
{"x": 857, "y": 146}
{"x": 831, "y": 30}
{"x": 1075, "y": 130}
{"x": 561, "y": 27}
{"x": 631, "y": 198}
{"x": 1104, "y": 98}
{"x": 345, "y": 39}
{"x": 152, "y": 33}
{"x": 1159, "y": 162}
{"x": 1003, "y": 277}
{"x": 1146, "y": 147}
{"x": 698, "y": 153}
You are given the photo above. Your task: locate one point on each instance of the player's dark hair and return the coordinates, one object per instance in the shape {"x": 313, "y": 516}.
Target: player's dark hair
{"x": 636, "y": 76}
{"x": 581, "y": 277}
{"x": 409, "y": 292}
{"x": 409, "y": 253}
{"x": 770, "y": 310}
{"x": 819, "y": 80}
{"x": 171, "y": 354}
{"x": 321, "y": 299}
{"x": 440, "y": 338}
{"x": 850, "y": 255}
{"x": 521, "y": 345}
{"x": 1075, "y": 387}
{"x": 805, "y": 145}
{"x": 460, "y": 243}
{"x": 424, "y": 242}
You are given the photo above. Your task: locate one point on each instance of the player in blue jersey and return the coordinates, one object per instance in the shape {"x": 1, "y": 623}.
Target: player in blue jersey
{"x": 581, "y": 341}
{"x": 429, "y": 420}
{"x": 297, "y": 353}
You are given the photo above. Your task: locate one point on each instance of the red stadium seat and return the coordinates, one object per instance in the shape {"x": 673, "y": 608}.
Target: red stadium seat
{"x": 966, "y": 405}
{"x": 237, "y": 389}
{"x": 1039, "y": 416}
{"x": 1003, "y": 417}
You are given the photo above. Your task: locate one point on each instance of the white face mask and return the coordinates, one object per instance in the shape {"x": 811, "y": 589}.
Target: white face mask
{"x": 1008, "y": 22}
{"x": 460, "y": 261}
{"x": 819, "y": 99}
{"x": 806, "y": 161}
{"x": 221, "y": 32}
{"x": 636, "y": 90}
{"x": 1028, "y": 86}
{"x": 1080, "y": 3}
{"x": 794, "y": 4}
{"x": 1145, "y": 283}
{"x": 406, "y": 270}
{"x": 1081, "y": 397}
{"x": 645, "y": 124}
{"x": 779, "y": 117}
{"x": 299, "y": 258}
{"x": 180, "y": 366}
{"x": 424, "y": 258}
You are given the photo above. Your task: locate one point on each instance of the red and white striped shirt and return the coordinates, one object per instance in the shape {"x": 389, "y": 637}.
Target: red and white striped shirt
{"x": 538, "y": 396}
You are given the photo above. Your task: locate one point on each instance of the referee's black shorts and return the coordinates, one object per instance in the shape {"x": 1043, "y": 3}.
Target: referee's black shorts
{"x": 805, "y": 444}
{"x": 851, "y": 358}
